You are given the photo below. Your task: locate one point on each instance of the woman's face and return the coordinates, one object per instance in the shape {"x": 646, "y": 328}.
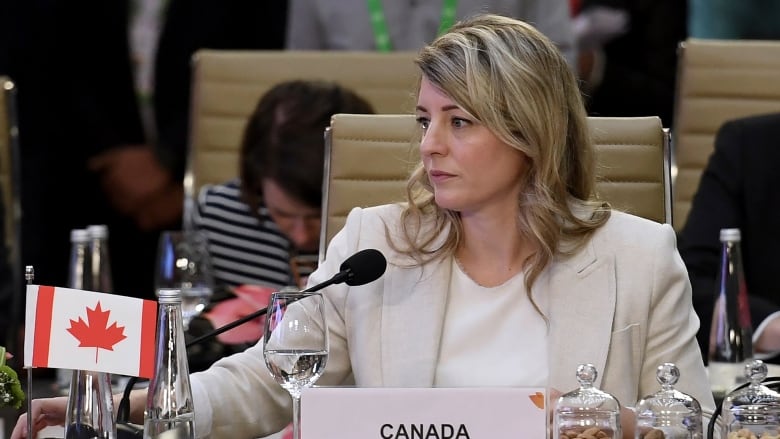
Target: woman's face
{"x": 471, "y": 169}
{"x": 296, "y": 220}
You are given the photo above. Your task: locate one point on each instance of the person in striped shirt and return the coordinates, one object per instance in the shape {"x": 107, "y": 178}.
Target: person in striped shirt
{"x": 257, "y": 223}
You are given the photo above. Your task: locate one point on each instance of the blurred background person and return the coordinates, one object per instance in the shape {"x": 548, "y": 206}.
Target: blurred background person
{"x": 103, "y": 93}
{"x": 628, "y": 55}
{"x": 386, "y": 25}
{"x": 738, "y": 189}
{"x": 259, "y": 224}
{"x": 256, "y": 223}
{"x": 735, "y": 20}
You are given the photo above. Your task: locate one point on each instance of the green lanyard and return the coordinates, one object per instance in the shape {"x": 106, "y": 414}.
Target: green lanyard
{"x": 379, "y": 24}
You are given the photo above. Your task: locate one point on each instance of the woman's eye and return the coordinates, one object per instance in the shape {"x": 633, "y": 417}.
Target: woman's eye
{"x": 423, "y": 122}
{"x": 459, "y": 123}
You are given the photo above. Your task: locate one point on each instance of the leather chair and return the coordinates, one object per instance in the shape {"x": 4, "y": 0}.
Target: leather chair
{"x": 369, "y": 157}
{"x": 228, "y": 83}
{"x": 717, "y": 80}
{"x": 10, "y": 178}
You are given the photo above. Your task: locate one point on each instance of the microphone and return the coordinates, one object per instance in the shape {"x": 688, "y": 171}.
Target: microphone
{"x": 361, "y": 268}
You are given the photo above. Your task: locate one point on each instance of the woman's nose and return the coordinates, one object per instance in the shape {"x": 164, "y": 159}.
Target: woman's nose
{"x": 432, "y": 141}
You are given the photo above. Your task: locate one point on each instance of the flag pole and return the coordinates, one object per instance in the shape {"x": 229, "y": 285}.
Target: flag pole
{"x": 29, "y": 275}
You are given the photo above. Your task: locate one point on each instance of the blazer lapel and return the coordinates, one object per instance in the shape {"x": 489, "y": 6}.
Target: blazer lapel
{"x": 582, "y": 294}
{"x": 412, "y": 320}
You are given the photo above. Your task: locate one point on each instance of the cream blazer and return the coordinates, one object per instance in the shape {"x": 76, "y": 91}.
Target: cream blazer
{"x": 623, "y": 303}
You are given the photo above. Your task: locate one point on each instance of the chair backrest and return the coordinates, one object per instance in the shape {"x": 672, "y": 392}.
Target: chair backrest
{"x": 228, "y": 83}
{"x": 10, "y": 173}
{"x": 717, "y": 80}
{"x": 369, "y": 158}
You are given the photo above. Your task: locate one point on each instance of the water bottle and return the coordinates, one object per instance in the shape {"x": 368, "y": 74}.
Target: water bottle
{"x": 78, "y": 278}
{"x": 80, "y": 260}
{"x": 100, "y": 265}
{"x": 731, "y": 334}
{"x": 90, "y": 412}
{"x": 169, "y": 407}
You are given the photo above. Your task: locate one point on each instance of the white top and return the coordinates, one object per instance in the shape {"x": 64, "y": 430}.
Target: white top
{"x": 491, "y": 336}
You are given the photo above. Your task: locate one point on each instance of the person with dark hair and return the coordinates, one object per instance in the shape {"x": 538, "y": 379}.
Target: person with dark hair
{"x": 255, "y": 224}
{"x": 738, "y": 189}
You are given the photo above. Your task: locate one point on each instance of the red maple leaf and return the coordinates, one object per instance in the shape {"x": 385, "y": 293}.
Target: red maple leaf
{"x": 97, "y": 333}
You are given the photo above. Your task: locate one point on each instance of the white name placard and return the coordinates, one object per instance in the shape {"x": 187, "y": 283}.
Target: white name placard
{"x": 415, "y": 413}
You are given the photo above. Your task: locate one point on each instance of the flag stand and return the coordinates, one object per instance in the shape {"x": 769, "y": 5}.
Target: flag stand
{"x": 29, "y": 276}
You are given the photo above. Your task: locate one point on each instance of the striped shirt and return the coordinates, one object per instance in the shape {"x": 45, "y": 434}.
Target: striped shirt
{"x": 244, "y": 248}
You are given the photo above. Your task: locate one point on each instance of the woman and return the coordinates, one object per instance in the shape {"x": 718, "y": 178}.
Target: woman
{"x": 256, "y": 223}
{"x": 500, "y": 256}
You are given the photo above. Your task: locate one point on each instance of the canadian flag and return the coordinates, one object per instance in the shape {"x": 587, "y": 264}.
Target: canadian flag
{"x": 75, "y": 329}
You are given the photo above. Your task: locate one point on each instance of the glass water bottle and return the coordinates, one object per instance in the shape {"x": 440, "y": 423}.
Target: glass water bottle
{"x": 78, "y": 278}
{"x": 90, "y": 412}
{"x": 169, "y": 408}
{"x": 100, "y": 264}
{"x": 731, "y": 333}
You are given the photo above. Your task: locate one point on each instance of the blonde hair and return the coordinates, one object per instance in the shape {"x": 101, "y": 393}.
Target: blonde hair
{"x": 514, "y": 81}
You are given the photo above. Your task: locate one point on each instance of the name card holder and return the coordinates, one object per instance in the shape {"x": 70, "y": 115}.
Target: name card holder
{"x": 423, "y": 413}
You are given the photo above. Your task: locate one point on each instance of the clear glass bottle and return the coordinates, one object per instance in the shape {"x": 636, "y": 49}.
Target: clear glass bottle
{"x": 587, "y": 412}
{"x": 169, "y": 408}
{"x": 78, "y": 278}
{"x": 80, "y": 260}
{"x": 753, "y": 411}
{"x": 90, "y": 412}
{"x": 731, "y": 333}
{"x": 668, "y": 413}
{"x": 100, "y": 263}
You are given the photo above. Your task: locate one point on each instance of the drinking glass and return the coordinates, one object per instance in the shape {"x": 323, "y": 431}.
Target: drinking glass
{"x": 183, "y": 263}
{"x": 295, "y": 344}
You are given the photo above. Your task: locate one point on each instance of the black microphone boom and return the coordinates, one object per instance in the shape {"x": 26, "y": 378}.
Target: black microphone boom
{"x": 359, "y": 269}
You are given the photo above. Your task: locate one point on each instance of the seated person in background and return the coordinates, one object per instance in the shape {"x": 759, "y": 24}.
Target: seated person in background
{"x": 628, "y": 55}
{"x": 739, "y": 189}
{"x": 734, "y": 20}
{"x": 385, "y": 25}
{"x": 500, "y": 256}
{"x": 255, "y": 224}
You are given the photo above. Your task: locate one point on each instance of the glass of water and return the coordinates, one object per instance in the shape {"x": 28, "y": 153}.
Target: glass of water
{"x": 183, "y": 262}
{"x": 295, "y": 344}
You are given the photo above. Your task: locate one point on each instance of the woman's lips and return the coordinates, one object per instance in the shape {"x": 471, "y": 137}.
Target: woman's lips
{"x": 438, "y": 176}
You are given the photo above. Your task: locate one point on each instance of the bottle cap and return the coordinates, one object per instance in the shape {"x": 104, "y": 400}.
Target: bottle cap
{"x": 98, "y": 231}
{"x": 79, "y": 235}
{"x": 169, "y": 295}
{"x": 729, "y": 235}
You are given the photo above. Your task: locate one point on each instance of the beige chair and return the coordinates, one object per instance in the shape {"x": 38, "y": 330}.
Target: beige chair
{"x": 227, "y": 85}
{"x": 369, "y": 157}
{"x": 717, "y": 80}
{"x": 10, "y": 183}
